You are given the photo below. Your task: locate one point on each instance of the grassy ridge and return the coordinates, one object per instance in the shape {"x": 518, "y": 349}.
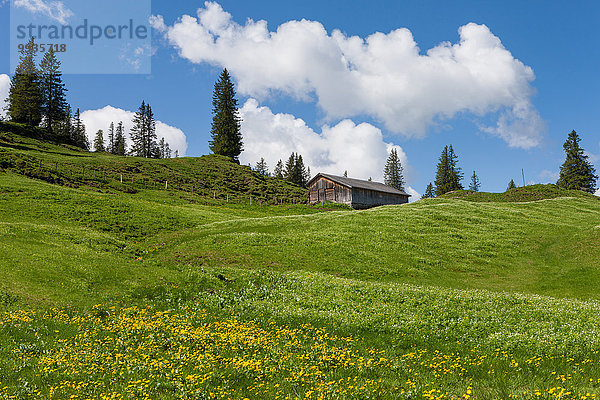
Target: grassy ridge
{"x": 206, "y": 177}
{"x": 158, "y": 294}
{"x": 548, "y": 247}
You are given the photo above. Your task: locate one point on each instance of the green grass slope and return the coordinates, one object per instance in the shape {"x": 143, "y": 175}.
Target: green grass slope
{"x": 520, "y": 194}
{"x": 208, "y": 177}
{"x": 109, "y": 293}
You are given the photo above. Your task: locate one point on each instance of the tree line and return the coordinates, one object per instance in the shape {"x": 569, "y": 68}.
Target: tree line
{"x": 37, "y": 97}
{"x": 576, "y": 173}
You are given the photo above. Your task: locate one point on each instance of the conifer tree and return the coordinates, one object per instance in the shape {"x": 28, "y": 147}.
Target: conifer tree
{"x": 429, "y": 192}
{"x": 448, "y": 174}
{"x": 176, "y": 153}
{"x": 345, "y": 173}
{"x": 278, "y": 171}
{"x": 393, "y": 171}
{"x": 54, "y": 104}
{"x": 511, "y": 185}
{"x": 167, "y": 150}
{"x": 288, "y": 172}
{"x": 475, "y": 183}
{"x": 576, "y": 173}
{"x": 120, "y": 146}
{"x": 261, "y": 167}
{"x": 110, "y": 146}
{"x": 65, "y": 126}
{"x": 78, "y": 135}
{"x": 25, "y": 94}
{"x": 99, "y": 141}
{"x": 300, "y": 172}
{"x": 226, "y": 124}
{"x": 143, "y": 132}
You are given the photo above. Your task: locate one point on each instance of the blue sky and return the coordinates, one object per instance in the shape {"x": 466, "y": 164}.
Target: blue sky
{"x": 541, "y": 80}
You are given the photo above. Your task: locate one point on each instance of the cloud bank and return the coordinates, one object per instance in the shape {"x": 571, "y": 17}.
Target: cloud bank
{"x": 95, "y": 120}
{"x": 359, "y": 149}
{"x": 384, "y": 76}
{"x": 4, "y": 89}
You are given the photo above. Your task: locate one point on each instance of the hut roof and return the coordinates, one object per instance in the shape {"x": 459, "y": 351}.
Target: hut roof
{"x": 360, "y": 184}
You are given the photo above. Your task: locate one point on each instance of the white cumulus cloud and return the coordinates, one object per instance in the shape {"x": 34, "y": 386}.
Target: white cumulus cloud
{"x": 101, "y": 118}
{"x": 55, "y": 10}
{"x": 4, "y": 88}
{"x": 359, "y": 149}
{"x": 385, "y": 76}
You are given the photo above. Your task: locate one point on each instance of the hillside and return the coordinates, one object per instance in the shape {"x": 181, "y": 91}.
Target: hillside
{"x": 211, "y": 177}
{"x": 153, "y": 293}
{"x": 520, "y": 194}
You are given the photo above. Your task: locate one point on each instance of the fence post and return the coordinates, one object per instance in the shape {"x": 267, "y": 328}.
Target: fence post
{"x": 214, "y": 194}
{"x": 166, "y": 185}
{"x": 121, "y": 177}
{"x": 228, "y": 197}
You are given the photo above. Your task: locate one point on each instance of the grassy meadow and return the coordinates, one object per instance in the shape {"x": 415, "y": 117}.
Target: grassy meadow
{"x": 112, "y": 293}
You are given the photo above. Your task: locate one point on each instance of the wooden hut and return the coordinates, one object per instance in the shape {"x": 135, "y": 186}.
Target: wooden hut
{"x": 354, "y": 192}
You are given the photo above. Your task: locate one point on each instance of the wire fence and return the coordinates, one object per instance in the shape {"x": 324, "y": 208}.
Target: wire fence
{"x": 128, "y": 181}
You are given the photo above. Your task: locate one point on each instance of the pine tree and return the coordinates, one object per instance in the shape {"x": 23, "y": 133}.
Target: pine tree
{"x": 99, "y": 141}
{"x": 110, "y": 146}
{"x": 511, "y": 185}
{"x": 300, "y": 172}
{"x": 475, "y": 183}
{"x": 288, "y": 172}
{"x": 176, "y": 153}
{"x": 25, "y": 95}
{"x": 120, "y": 146}
{"x": 261, "y": 167}
{"x": 54, "y": 104}
{"x": 392, "y": 173}
{"x": 64, "y": 128}
{"x": 278, "y": 171}
{"x": 226, "y": 124}
{"x": 448, "y": 174}
{"x": 429, "y": 192}
{"x": 78, "y": 135}
{"x": 167, "y": 150}
{"x": 143, "y": 133}
{"x": 345, "y": 173}
{"x": 577, "y": 172}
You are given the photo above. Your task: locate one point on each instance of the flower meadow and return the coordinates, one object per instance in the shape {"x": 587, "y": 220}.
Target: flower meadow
{"x": 191, "y": 353}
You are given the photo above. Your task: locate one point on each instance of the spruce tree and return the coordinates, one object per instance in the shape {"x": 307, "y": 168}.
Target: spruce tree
{"x": 576, "y": 173}
{"x": 448, "y": 174}
{"x": 143, "y": 133}
{"x": 110, "y": 146}
{"x": 288, "y": 172}
{"x": 278, "y": 171}
{"x": 511, "y": 185}
{"x": 300, "y": 172}
{"x": 261, "y": 167}
{"x": 99, "y": 141}
{"x": 345, "y": 173}
{"x": 25, "y": 95}
{"x": 475, "y": 183}
{"x": 393, "y": 171}
{"x": 78, "y": 135}
{"x": 120, "y": 146}
{"x": 167, "y": 150}
{"x": 429, "y": 192}
{"x": 226, "y": 124}
{"x": 54, "y": 104}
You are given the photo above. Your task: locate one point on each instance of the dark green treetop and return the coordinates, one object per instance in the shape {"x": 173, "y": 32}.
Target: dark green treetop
{"x": 25, "y": 95}
{"x": 448, "y": 174}
{"x": 475, "y": 183}
{"x": 577, "y": 172}
{"x": 226, "y": 124}
{"x": 54, "y": 103}
{"x": 393, "y": 171}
